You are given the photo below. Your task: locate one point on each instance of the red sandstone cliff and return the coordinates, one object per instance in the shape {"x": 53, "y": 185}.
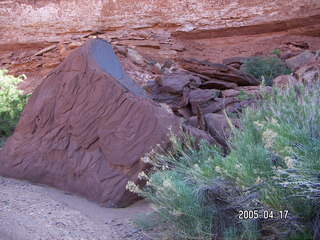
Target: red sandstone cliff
{"x": 159, "y": 30}
{"x": 33, "y": 21}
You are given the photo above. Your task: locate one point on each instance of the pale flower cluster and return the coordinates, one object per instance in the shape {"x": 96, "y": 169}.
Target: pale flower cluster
{"x": 167, "y": 184}
{"x": 146, "y": 159}
{"x": 149, "y": 182}
{"x": 274, "y": 122}
{"x": 176, "y": 213}
{"x": 289, "y": 162}
{"x": 238, "y": 166}
{"x": 259, "y": 180}
{"x": 258, "y": 124}
{"x": 269, "y": 137}
{"x": 165, "y": 167}
{"x": 218, "y": 169}
{"x": 197, "y": 168}
{"x": 143, "y": 176}
{"x": 132, "y": 187}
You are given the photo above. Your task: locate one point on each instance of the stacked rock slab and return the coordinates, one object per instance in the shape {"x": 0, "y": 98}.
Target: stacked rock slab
{"x": 199, "y": 86}
{"x": 86, "y": 128}
{"x": 200, "y": 91}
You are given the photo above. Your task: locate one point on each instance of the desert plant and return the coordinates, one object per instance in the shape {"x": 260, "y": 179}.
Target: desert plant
{"x": 276, "y": 153}
{"x": 177, "y": 188}
{"x": 12, "y": 102}
{"x": 276, "y": 51}
{"x": 242, "y": 96}
{"x": 265, "y": 67}
{"x": 273, "y": 165}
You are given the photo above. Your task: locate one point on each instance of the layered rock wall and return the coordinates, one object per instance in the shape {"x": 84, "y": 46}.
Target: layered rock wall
{"x": 30, "y": 21}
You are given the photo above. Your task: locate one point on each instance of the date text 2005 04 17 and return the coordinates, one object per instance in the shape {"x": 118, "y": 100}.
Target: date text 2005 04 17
{"x": 265, "y": 214}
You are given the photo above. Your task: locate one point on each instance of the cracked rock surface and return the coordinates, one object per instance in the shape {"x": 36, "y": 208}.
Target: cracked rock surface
{"x": 86, "y": 128}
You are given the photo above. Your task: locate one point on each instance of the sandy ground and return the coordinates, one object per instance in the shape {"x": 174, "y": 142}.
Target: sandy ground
{"x": 35, "y": 212}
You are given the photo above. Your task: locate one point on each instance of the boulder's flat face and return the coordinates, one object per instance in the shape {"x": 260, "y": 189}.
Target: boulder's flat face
{"x": 85, "y": 129}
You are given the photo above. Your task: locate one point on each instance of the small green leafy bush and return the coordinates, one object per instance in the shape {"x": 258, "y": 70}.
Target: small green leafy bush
{"x": 242, "y": 96}
{"x": 12, "y": 102}
{"x": 276, "y": 51}
{"x": 266, "y": 68}
{"x": 273, "y": 165}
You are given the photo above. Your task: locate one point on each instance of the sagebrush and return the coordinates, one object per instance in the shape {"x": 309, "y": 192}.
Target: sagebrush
{"x": 273, "y": 165}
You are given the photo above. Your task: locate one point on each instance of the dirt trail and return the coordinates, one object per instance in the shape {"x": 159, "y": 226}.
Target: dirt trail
{"x": 34, "y": 212}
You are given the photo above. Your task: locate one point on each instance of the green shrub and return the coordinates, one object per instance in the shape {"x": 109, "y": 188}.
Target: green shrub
{"x": 274, "y": 165}
{"x": 242, "y": 96}
{"x": 277, "y": 150}
{"x": 276, "y": 51}
{"x": 266, "y": 68}
{"x": 277, "y": 153}
{"x": 12, "y": 102}
{"x": 179, "y": 193}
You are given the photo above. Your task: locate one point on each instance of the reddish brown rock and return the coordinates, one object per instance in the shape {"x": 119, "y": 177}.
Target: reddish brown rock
{"x": 152, "y": 87}
{"x": 218, "y": 84}
{"x": 45, "y": 50}
{"x": 198, "y": 134}
{"x": 192, "y": 121}
{"x": 185, "y": 112}
{"x": 176, "y": 83}
{"x": 284, "y": 81}
{"x": 230, "y": 93}
{"x": 298, "y": 44}
{"x": 86, "y": 128}
{"x": 135, "y": 57}
{"x": 233, "y": 60}
{"x": 178, "y": 47}
{"x": 288, "y": 54}
{"x": 213, "y": 106}
{"x": 74, "y": 45}
{"x": 44, "y": 20}
{"x": 64, "y": 52}
{"x": 236, "y": 107}
{"x": 218, "y": 71}
{"x": 308, "y": 73}
{"x": 254, "y": 91}
{"x": 216, "y": 125}
{"x": 301, "y": 59}
{"x": 121, "y": 50}
{"x": 158, "y": 94}
{"x": 141, "y": 43}
{"x": 219, "y": 128}
{"x": 200, "y": 96}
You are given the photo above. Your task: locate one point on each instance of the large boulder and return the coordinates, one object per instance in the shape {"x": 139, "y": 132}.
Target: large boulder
{"x": 86, "y": 128}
